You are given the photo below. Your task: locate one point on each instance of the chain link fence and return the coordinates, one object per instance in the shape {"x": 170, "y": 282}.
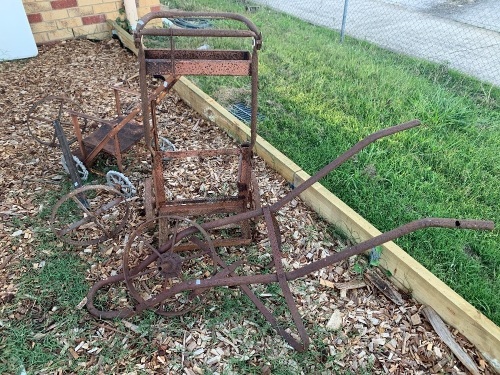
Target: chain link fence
{"x": 461, "y": 34}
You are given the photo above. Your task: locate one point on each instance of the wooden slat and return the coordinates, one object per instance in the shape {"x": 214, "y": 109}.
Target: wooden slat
{"x": 124, "y": 36}
{"x": 448, "y": 339}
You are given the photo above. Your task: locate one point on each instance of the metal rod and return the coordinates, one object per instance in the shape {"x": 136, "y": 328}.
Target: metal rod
{"x": 344, "y": 18}
{"x": 341, "y": 159}
{"x": 253, "y": 30}
{"x": 270, "y": 278}
{"x": 70, "y": 163}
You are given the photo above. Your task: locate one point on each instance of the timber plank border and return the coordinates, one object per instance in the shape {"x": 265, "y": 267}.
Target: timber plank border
{"x": 406, "y": 272}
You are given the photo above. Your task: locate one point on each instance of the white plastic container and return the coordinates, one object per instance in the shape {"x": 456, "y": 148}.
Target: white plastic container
{"x": 16, "y": 38}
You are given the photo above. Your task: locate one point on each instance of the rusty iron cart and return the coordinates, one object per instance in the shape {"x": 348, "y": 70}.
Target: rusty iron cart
{"x": 173, "y": 62}
{"x": 173, "y": 274}
{"x": 171, "y": 262}
{"x": 118, "y": 135}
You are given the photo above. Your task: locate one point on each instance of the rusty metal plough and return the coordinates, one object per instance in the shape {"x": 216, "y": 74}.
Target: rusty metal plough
{"x": 171, "y": 262}
{"x": 182, "y": 262}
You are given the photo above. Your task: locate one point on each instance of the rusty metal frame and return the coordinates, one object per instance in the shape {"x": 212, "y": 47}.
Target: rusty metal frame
{"x": 172, "y": 63}
{"x": 227, "y": 276}
{"x": 165, "y": 257}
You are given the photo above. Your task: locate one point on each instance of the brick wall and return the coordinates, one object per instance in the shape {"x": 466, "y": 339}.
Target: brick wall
{"x": 66, "y": 19}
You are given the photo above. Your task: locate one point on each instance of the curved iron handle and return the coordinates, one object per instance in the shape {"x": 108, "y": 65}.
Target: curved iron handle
{"x": 430, "y": 222}
{"x": 252, "y": 32}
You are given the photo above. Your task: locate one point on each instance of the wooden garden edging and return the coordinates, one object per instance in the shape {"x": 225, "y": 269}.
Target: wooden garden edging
{"x": 406, "y": 272}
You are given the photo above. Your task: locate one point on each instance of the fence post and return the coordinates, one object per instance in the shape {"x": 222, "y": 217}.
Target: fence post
{"x": 344, "y": 17}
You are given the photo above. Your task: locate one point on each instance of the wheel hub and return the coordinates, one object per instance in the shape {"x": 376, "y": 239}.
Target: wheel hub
{"x": 170, "y": 265}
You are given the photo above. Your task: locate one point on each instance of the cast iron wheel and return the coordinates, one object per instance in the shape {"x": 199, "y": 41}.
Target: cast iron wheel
{"x": 89, "y": 215}
{"x": 80, "y": 167}
{"x": 44, "y": 112}
{"x": 163, "y": 252}
{"x": 120, "y": 182}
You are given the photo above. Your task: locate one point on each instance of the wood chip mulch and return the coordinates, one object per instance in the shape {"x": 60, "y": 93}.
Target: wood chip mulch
{"x": 353, "y": 327}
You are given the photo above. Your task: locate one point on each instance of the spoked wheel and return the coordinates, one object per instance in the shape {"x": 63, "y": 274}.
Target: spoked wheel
{"x": 89, "y": 215}
{"x": 44, "y": 112}
{"x": 121, "y": 182}
{"x": 80, "y": 167}
{"x": 163, "y": 252}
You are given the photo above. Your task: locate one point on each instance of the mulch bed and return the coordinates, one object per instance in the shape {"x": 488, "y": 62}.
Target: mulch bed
{"x": 352, "y": 329}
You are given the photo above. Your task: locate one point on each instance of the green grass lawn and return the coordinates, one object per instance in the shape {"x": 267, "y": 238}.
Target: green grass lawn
{"x": 319, "y": 97}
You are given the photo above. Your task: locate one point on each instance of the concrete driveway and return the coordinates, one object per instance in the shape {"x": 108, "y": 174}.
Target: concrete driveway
{"x": 464, "y": 34}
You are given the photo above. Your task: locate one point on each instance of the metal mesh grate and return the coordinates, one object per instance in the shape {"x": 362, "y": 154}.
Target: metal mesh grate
{"x": 243, "y": 112}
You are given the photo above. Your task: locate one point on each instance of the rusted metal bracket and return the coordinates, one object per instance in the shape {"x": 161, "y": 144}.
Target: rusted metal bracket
{"x": 68, "y": 157}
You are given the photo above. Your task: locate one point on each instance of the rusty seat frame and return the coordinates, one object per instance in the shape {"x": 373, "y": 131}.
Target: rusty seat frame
{"x": 116, "y": 136}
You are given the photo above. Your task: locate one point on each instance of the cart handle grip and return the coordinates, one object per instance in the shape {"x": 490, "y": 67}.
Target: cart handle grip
{"x": 252, "y": 32}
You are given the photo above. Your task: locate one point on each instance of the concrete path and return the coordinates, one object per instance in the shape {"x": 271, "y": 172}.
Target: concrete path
{"x": 465, "y": 34}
